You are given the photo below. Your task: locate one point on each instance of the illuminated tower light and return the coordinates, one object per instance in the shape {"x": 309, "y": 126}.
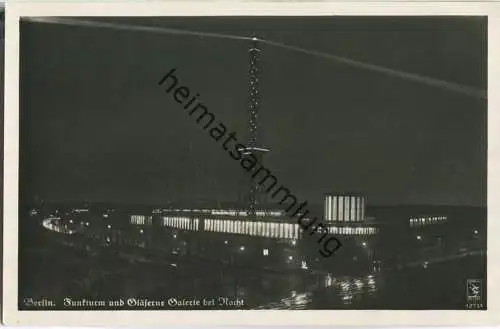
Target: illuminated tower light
{"x": 252, "y": 147}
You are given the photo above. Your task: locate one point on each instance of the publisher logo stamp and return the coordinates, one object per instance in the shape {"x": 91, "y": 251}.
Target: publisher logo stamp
{"x": 474, "y": 293}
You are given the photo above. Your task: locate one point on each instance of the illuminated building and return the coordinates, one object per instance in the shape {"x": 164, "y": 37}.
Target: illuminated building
{"x": 345, "y": 207}
{"x": 426, "y": 220}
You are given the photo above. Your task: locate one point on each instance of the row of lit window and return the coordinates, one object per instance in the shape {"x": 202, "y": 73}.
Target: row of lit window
{"x": 340, "y": 208}
{"x": 226, "y": 212}
{"x": 427, "y": 220}
{"x": 140, "y": 219}
{"x": 353, "y": 230}
{"x": 268, "y": 229}
{"x": 183, "y": 223}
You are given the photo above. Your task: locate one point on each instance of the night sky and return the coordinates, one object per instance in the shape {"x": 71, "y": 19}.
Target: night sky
{"x": 95, "y": 125}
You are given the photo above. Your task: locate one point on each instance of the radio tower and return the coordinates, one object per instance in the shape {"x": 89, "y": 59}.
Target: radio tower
{"x": 253, "y": 144}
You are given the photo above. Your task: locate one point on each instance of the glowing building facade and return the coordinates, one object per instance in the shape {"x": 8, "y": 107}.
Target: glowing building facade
{"x": 345, "y": 207}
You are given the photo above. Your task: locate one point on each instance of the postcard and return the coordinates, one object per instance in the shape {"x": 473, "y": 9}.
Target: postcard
{"x": 252, "y": 164}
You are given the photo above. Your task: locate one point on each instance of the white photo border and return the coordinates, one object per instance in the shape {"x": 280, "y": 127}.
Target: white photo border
{"x": 11, "y": 314}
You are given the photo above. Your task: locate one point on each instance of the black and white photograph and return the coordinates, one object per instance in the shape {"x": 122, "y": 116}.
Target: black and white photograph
{"x": 253, "y": 163}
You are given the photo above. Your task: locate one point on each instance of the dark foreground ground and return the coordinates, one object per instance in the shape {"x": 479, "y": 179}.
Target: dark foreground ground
{"x": 55, "y": 272}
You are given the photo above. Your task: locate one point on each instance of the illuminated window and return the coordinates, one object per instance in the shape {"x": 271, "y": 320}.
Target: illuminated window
{"x": 353, "y": 208}
{"x": 358, "y": 208}
{"x": 341, "y": 208}
{"x": 327, "y": 208}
